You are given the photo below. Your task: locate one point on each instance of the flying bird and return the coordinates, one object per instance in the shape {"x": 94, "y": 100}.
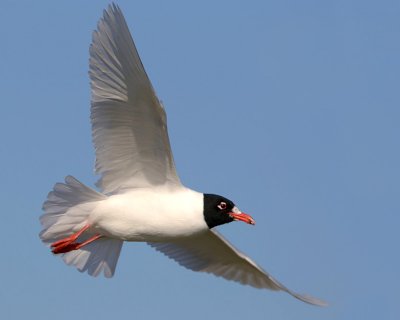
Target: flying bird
{"x": 141, "y": 198}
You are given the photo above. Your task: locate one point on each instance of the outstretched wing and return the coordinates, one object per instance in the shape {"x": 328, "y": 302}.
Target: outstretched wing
{"x": 129, "y": 125}
{"x": 210, "y": 252}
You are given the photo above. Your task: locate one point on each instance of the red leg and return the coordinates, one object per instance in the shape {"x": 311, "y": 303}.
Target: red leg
{"x": 80, "y": 245}
{"x": 70, "y": 238}
{"x": 68, "y": 244}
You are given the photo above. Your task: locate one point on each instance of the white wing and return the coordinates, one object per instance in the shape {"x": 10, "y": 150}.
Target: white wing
{"x": 210, "y": 252}
{"x": 129, "y": 125}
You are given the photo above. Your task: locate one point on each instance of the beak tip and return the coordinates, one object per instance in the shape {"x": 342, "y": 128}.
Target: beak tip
{"x": 243, "y": 217}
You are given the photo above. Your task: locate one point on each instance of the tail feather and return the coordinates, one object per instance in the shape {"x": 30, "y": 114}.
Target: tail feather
{"x": 99, "y": 256}
{"x": 67, "y": 209}
{"x": 67, "y": 206}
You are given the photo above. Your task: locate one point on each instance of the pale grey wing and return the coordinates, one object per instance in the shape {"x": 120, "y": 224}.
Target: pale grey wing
{"x": 210, "y": 252}
{"x": 129, "y": 125}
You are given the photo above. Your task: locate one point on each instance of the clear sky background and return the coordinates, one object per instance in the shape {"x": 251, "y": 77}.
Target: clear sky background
{"x": 290, "y": 108}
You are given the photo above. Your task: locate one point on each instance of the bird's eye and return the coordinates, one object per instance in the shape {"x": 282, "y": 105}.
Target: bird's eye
{"x": 222, "y": 205}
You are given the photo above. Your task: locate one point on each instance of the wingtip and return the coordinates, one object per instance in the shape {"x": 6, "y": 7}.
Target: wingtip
{"x": 311, "y": 300}
{"x": 112, "y": 9}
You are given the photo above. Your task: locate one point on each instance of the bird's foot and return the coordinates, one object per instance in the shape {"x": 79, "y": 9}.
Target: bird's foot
{"x": 68, "y": 244}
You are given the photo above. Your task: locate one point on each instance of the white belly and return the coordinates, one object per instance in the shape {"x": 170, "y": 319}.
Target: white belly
{"x": 150, "y": 215}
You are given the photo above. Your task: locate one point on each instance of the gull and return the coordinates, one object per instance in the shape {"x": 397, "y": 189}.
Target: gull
{"x": 141, "y": 198}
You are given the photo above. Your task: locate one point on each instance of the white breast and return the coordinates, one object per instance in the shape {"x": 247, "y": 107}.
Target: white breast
{"x": 155, "y": 214}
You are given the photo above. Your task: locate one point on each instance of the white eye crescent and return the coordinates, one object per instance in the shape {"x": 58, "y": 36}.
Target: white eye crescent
{"x": 222, "y": 206}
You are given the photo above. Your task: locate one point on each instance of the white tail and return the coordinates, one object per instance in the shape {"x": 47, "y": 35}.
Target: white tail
{"x": 66, "y": 211}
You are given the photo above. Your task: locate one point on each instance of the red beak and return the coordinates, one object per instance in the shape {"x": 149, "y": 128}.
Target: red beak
{"x": 242, "y": 217}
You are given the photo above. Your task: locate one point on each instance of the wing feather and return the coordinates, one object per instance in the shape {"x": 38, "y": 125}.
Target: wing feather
{"x": 129, "y": 126}
{"x": 210, "y": 252}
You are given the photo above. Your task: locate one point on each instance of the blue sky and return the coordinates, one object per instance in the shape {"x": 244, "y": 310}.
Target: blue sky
{"x": 289, "y": 108}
